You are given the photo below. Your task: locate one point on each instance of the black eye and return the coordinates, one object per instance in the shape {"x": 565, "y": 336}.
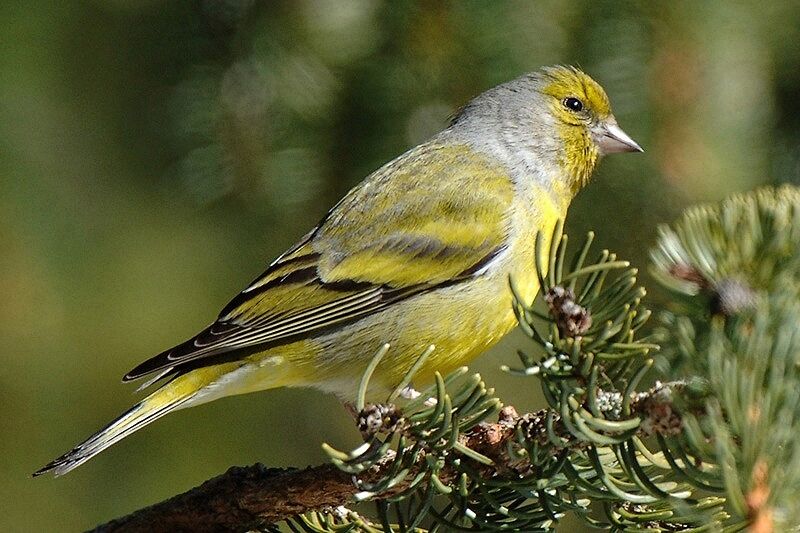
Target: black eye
{"x": 573, "y": 104}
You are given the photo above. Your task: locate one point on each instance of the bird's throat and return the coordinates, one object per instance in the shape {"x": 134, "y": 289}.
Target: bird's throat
{"x": 580, "y": 156}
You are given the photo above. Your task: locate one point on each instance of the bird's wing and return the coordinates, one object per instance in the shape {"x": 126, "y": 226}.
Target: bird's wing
{"x": 434, "y": 216}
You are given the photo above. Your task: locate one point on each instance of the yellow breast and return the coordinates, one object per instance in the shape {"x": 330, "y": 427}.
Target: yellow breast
{"x": 536, "y": 211}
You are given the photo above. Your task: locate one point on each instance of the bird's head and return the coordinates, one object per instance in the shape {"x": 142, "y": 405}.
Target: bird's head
{"x": 556, "y": 117}
{"x": 584, "y": 122}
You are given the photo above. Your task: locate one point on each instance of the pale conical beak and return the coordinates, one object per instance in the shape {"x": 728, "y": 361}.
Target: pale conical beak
{"x": 612, "y": 140}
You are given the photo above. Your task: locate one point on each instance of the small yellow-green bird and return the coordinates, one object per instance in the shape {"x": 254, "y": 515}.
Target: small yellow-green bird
{"x": 418, "y": 254}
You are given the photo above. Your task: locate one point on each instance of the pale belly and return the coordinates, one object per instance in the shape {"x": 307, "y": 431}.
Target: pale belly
{"x": 461, "y": 321}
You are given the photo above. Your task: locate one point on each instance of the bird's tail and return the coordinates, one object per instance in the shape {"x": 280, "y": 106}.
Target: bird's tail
{"x": 172, "y": 396}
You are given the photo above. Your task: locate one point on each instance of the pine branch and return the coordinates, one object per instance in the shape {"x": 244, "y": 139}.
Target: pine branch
{"x": 248, "y": 498}
{"x": 241, "y": 499}
{"x": 723, "y": 452}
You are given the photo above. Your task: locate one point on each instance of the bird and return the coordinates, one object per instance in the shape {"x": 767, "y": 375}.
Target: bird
{"x": 418, "y": 254}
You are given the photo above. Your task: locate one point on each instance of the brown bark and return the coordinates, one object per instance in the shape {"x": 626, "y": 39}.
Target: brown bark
{"x": 242, "y": 499}
{"x": 246, "y": 498}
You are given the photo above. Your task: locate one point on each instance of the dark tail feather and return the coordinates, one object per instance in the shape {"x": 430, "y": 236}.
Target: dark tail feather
{"x": 146, "y": 411}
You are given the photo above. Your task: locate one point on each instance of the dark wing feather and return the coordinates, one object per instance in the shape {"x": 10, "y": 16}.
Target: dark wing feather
{"x": 224, "y": 336}
{"x": 370, "y": 251}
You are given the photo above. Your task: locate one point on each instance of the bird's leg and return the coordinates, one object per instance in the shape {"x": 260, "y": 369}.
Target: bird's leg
{"x": 376, "y": 418}
{"x": 350, "y": 407}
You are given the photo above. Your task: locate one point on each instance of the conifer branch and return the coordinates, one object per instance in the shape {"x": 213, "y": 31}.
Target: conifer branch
{"x": 714, "y": 448}
{"x": 249, "y": 498}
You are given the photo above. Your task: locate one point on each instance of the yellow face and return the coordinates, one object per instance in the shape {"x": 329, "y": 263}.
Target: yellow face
{"x": 581, "y": 98}
{"x": 579, "y": 104}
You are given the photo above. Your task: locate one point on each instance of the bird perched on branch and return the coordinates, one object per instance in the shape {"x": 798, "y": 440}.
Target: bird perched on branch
{"x": 418, "y": 254}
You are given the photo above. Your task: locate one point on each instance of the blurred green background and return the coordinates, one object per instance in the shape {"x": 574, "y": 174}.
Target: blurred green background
{"x": 155, "y": 156}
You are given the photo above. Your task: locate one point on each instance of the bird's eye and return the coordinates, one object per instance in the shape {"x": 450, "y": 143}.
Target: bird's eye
{"x": 573, "y": 104}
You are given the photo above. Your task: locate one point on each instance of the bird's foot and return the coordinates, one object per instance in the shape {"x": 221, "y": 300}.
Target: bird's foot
{"x": 350, "y": 407}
